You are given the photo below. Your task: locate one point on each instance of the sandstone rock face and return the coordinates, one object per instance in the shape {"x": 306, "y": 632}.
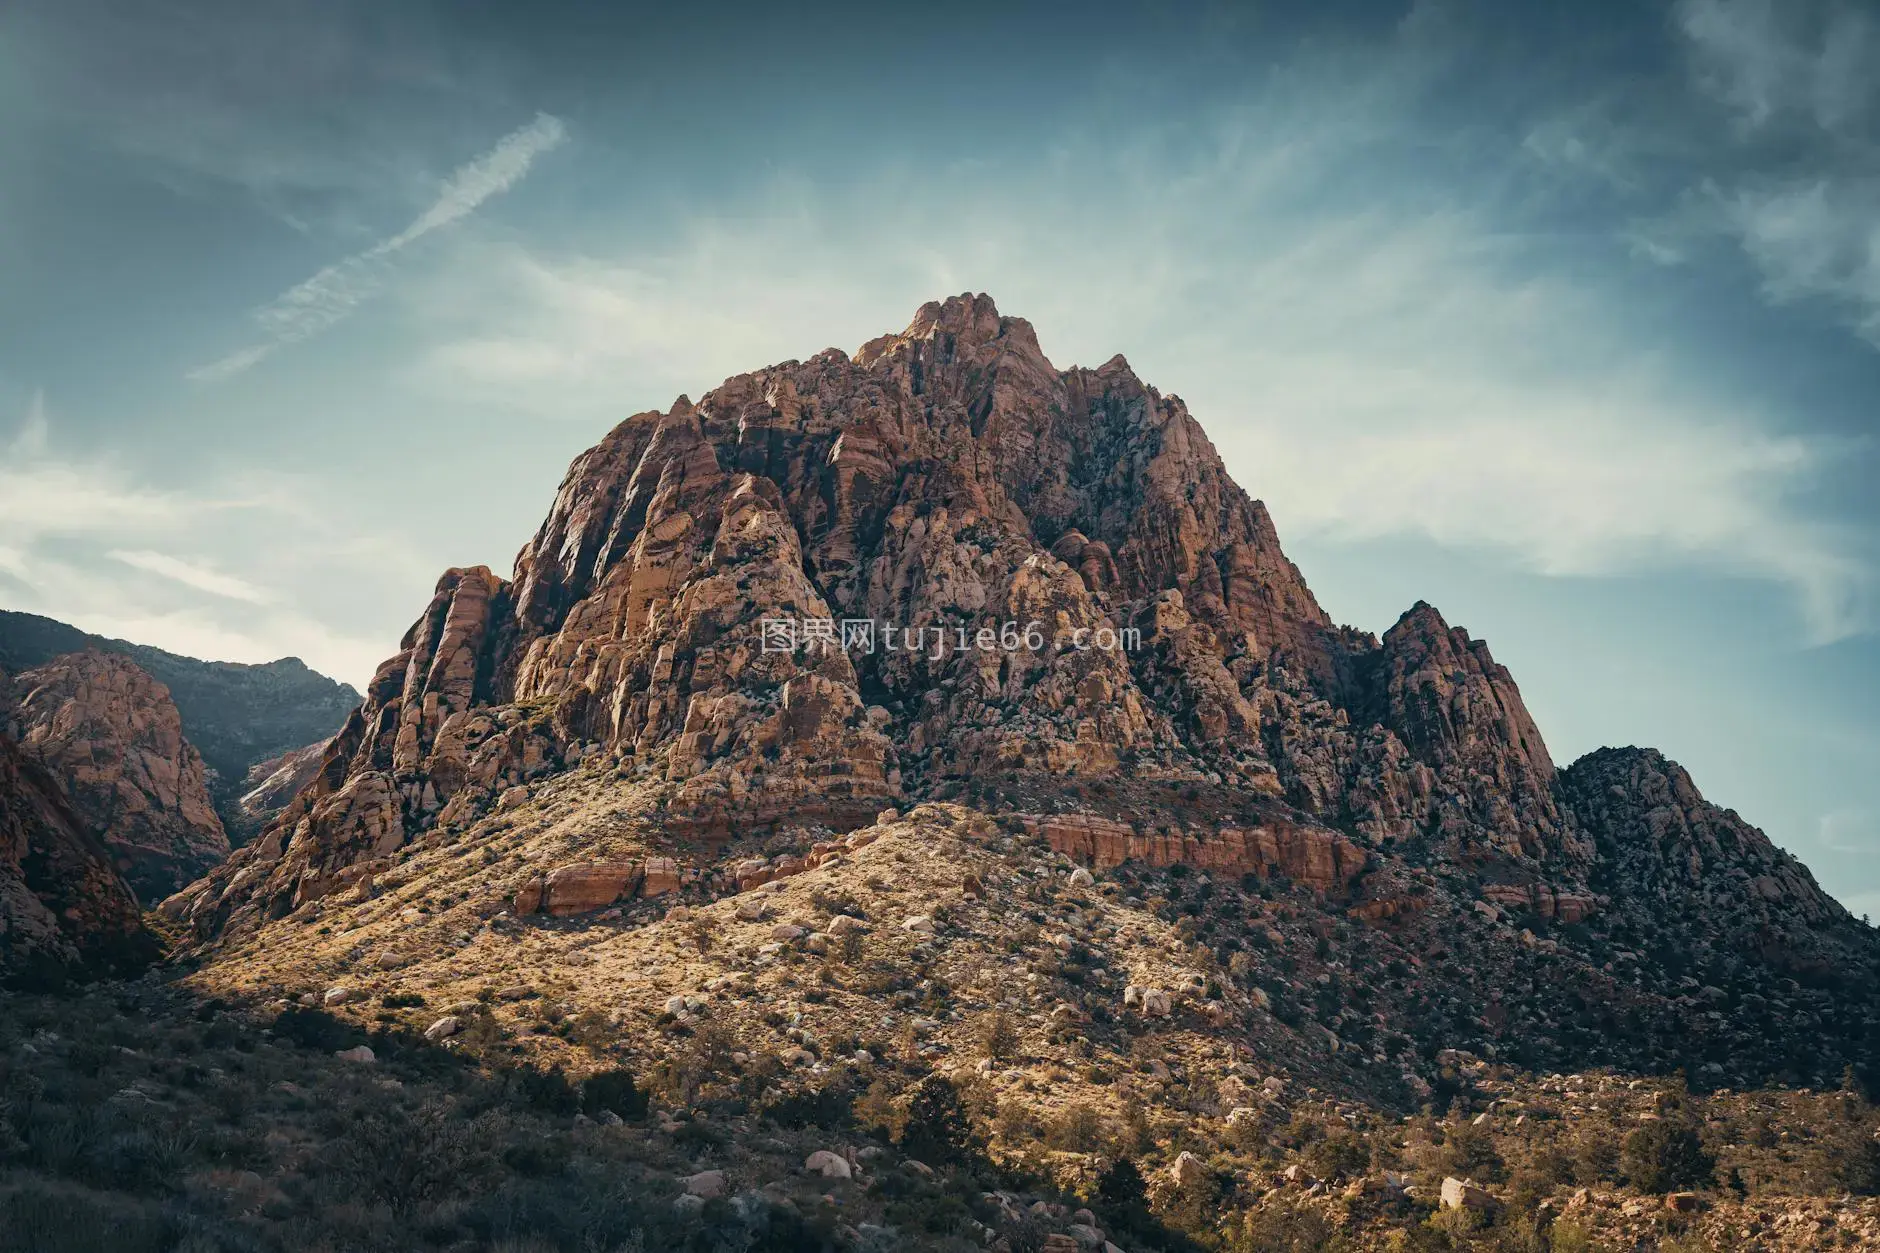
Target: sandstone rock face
{"x": 63, "y": 907}
{"x": 110, "y": 733}
{"x": 1314, "y": 856}
{"x": 236, "y": 715}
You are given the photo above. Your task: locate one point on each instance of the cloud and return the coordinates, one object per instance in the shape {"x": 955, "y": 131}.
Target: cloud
{"x": 330, "y": 296}
{"x": 197, "y": 575}
{"x": 30, "y": 440}
{"x": 1815, "y": 240}
{"x": 1796, "y": 184}
{"x": 1779, "y": 61}
{"x": 1376, "y": 355}
{"x": 73, "y": 529}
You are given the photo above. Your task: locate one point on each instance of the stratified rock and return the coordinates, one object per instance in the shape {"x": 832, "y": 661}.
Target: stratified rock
{"x": 64, "y": 910}
{"x": 112, "y": 736}
{"x": 1314, "y": 856}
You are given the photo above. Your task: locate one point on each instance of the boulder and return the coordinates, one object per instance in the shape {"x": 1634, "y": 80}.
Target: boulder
{"x": 1187, "y": 1170}
{"x": 1464, "y": 1194}
{"x": 827, "y": 1164}
{"x": 662, "y": 875}
{"x": 585, "y": 886}
{"x": 706, "y": 1184}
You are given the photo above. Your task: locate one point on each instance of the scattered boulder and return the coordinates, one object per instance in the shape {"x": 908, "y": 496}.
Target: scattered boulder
{"x": 1464, "y": 1194}
{"x": 706, "y": 1184}
{"x": 1187, "y": 1170}
{"x": 828, "y": 1165}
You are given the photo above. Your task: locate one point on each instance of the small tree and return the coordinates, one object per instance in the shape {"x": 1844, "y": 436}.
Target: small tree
{"x": 1338, "y": 1155}
{"x": 999, "y": 1036}
{"x": 1665, "y": 1156}
{"x": 936, "y": 1127}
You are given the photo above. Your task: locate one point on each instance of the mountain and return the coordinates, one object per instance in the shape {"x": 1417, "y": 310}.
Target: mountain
{"x": 63, "y": 909}
{"x": 235, "y": 715}
{"x": 1114, "y": 660}
{"x": 112, "y": 736}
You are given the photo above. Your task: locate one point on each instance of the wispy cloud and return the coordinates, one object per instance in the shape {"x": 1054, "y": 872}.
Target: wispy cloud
{"x": 196, "y": 574}
{"x": 1779, "y": 61}
{"x": 72, "y": 530}
{"x": 330, "y": 296}
{"x": 1386, "y": 364}
{"x": 1797, "y": 188}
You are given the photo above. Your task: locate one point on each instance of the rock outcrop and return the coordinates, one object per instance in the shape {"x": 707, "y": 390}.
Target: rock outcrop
{"x": 271, "y": 784}
{"x": 1688, "y": 876}
{"x": 63, "y": 910}
{"x": 1312, "y": 856}
{"x": 110, "y": 733}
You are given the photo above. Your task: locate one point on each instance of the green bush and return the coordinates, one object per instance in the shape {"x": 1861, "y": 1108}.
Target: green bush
{"x": 936, "y": 1128}
{"x": 1664, "y": 1157}
{"x": 1469, "y": 1152}
{"x": 613, "y": 1091}
{"x": 1339, "y": 1155}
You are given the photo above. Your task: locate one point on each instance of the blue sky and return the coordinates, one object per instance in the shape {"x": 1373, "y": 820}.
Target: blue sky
{"x": 1569, "y": 324}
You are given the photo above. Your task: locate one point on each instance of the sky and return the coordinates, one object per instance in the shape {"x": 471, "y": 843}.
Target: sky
{"x": 1564, "y": 318}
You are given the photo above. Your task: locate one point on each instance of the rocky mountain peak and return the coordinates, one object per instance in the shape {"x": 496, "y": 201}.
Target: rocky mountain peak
{"x": 944, "y": 569}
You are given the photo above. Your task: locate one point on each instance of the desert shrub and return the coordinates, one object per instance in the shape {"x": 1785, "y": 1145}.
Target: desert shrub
{"x": 545, "y": 1090}
{"x": 1595, "y": 1156}
{"x": 1567, "y": 1236}
{"x": 1853, "y": 1162}
{"x": 706, "y": 1057}
{"x": 998, "y": 1036}
{"x": 1339, "y": 1155}
{"x": 402, "y": 1158}
{"x": 315, "y": 1029}
{"x": 38, "y": 1219}
{"x": 829, "y": 1107}
{"x": 1469, "y": 1152}
{"x": 1284, "y": 1229}
{"x": 936, "y": 1128}
{"x": 1078, "y": 1130}
{"x": 1665, "y": 1156}
{"x": 613, "y": 1091}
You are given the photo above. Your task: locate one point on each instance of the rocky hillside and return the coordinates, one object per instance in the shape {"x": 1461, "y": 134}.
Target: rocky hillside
{"x": 935, "y": 704}
{"x": 63, "y": 908}
{"x": 112, "y": 737}
{"x": 235, "y": 715}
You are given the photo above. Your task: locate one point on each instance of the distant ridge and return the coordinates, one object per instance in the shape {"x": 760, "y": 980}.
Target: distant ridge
{"x": 236, "y": 715}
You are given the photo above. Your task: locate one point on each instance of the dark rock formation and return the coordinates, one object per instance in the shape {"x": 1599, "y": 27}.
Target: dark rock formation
{"x": 63, "y": 910}
{"x": 112, "y": 737}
